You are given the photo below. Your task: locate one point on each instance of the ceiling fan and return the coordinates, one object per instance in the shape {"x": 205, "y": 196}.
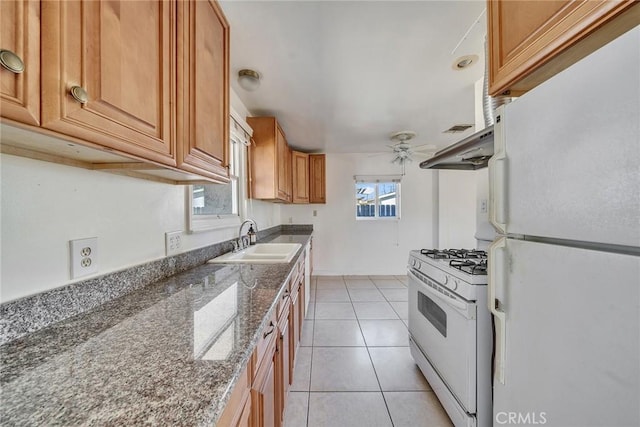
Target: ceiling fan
{"x": 403, "y": 150}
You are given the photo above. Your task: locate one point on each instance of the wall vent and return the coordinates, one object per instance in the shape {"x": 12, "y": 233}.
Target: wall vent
{"x": 457, "y": 128}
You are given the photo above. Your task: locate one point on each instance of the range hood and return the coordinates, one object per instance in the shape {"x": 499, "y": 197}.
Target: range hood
{"x": 471, "y": 153}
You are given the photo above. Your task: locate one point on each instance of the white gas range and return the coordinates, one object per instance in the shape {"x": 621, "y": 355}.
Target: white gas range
{"x": 450, "y": 330}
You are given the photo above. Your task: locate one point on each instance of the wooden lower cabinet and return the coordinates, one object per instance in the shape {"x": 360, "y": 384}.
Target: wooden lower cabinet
{"x": 284, "y": 365}
{"x": 245, "y": 415}
{"x": 264, "y": 390}
{"x": 237, "y": 413}
{"x": 270, "y": 374}
{"x": 297, "y": 310}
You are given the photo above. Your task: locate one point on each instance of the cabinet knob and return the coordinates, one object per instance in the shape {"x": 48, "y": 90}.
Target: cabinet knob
{"x": 79, "y": 94}
{"x": 11, "y": 61}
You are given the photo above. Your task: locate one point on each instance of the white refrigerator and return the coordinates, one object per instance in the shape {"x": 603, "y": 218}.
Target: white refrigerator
{"x": 564, "y": 271}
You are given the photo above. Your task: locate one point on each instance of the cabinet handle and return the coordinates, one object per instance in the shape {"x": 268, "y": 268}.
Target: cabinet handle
{"x": 286, "y": 294}
{"x": 79, "y": 94}
{"x": 273, "y": 328}
{"x": 11, "y": 61}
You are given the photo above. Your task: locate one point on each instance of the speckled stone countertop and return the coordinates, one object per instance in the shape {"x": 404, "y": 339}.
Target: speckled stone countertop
{"x": 166, "y": 354}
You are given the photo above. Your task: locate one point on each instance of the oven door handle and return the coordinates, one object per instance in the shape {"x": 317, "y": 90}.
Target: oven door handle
{"x": 461, "y": 307}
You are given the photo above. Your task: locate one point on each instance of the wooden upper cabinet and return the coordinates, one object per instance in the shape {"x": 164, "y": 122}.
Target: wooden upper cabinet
{"x": 20, "y": 44}
{"x": 288, "y": 167}
{"x": 300, "y": 177}
{"x": 530, "y": 41}
{"x": 317, "y": 186}
{"x": 269, "y": 161}
{"x": 121, "y": 54}
{"x": 282, "y": 161}
{"x": 203, "y": 89}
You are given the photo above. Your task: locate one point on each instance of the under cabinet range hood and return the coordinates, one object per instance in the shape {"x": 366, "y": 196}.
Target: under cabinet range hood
{"x": 471, "y": 153}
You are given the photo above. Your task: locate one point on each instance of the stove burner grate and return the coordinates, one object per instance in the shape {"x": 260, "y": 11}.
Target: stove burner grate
{"x": 435, "y": 254}
{"x": 470, "y": 266}
{"x": 454, "y": 253}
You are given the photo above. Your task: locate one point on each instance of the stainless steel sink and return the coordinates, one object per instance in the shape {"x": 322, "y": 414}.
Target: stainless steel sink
{"x": 261, "y": 253}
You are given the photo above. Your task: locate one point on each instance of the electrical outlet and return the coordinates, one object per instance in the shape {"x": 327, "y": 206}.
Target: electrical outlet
{"x": 483, "y": 206}
{"x": 173, "y": 242}
{"x": 290, "y": 220}
{"x": 315, "y": 212}
{"x": 83, "y": 256}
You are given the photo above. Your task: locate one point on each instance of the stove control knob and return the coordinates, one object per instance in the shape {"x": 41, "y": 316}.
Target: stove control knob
{"x": 413, "y": 263}
{"x": 454, "y": 285}
{"x": 446, "y": 280}
{"x": 419, "y": 264}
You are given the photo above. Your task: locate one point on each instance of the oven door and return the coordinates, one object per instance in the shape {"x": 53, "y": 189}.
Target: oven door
{"x": 444, "y": 327}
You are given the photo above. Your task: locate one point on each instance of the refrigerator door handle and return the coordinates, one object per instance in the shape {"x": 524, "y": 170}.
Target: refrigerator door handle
{"x": 496, "y": 276}
{"x": 498, "y": 176}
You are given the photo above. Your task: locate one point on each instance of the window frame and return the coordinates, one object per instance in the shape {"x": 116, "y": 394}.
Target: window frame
{"x": 378, "y": 180}
{"x": 239, "y": 137}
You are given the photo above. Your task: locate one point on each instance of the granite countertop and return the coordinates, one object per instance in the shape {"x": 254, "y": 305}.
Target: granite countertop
{"x": 167, "y": 354}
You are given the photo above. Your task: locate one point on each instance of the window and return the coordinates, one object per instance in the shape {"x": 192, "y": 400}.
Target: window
{"x": 219, "y": 205}
{"x": 377, "y": 197}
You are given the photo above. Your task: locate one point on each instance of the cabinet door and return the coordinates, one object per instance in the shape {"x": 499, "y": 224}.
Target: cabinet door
{"x": 301, "y": 310}
{"x": 317, "y": 178}
{"x": 282, "y": 150}
{"x": 285, "y": 365}
{"x": 264, "y": 398}
{"x": 523, "y": 36}
{"x": 298, "y": 301}
{"x": 20, "y": 35}
{"x": 121, "y": 53}
{"x": 300, "y": 178}
{"x": 203, "y": 89}
{"x": 245, "y": 416}
{"x": 289, "y": 174}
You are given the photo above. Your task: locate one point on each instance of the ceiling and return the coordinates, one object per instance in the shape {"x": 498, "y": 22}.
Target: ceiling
{"x": 341, "y": 76}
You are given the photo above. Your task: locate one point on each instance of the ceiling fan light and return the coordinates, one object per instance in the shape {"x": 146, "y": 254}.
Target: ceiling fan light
{"x": 249, "y": 80}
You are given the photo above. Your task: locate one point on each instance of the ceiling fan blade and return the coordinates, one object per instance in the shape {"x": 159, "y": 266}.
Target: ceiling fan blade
{"x": 424, "y": 147}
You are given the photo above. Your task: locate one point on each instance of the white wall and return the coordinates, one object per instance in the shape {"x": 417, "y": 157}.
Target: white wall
{"x": 44, "y": 205}
{"x": 457, "y": 209}
{"x": 343, "y": 245}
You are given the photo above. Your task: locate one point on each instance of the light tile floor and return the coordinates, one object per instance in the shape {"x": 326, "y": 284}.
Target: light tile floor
{"x": 353, "y": 366}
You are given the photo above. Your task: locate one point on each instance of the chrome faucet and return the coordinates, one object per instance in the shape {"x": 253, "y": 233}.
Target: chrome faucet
{"x": 243, "y": 241}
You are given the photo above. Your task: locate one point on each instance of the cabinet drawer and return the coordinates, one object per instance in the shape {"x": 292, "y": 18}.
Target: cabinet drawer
{"x": 267, "y": 336}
